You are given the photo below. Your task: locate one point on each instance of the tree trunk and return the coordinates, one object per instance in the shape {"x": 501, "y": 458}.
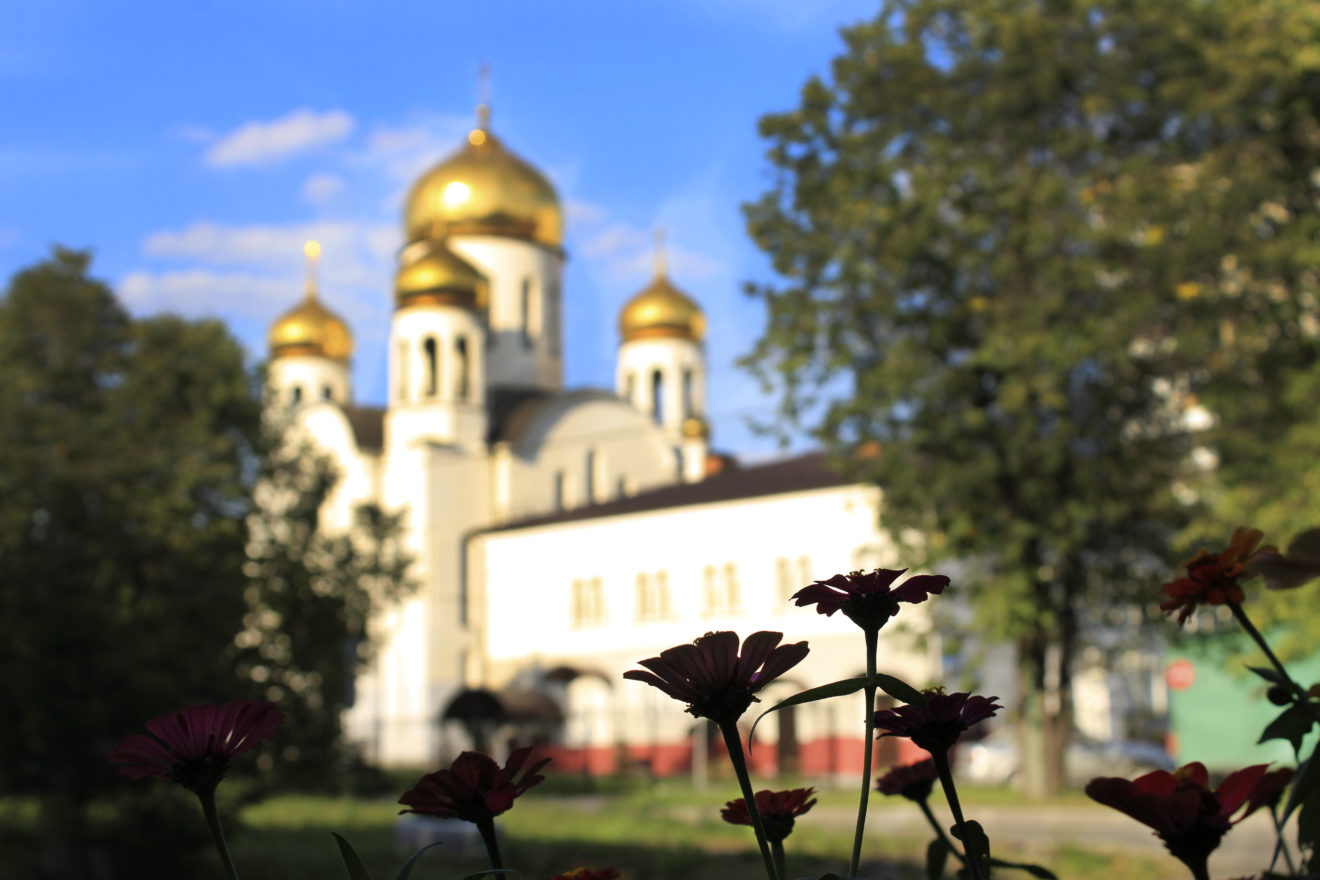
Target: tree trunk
{"x": 1045, "y": 723}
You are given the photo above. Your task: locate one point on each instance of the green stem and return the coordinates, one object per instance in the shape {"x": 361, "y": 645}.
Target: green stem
{"x": 1279, "y": 845}
{"x": 872, "y": 640}
{"x": 777, "y": 852}
{"x": 733, "y": 742}
{"x": 218, "y": 833}
{"x": 488, "y": 836}
{"x": 1299, "y": 694}
{"x": 939, "y": 831}
{"x": 941, "y": 759}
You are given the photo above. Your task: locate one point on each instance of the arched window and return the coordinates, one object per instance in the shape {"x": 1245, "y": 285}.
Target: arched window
{"x": 297, "y": 394}
{"x": 592, "y": 464}
{"x": 630, "y": 387}
{"x": 525, "y": 311}
{"x": 326, "y": 393}
{"x": 432, "y": 366}
{"x": 401, "y": 362}
{"x": 657, "y": 395}
{"x": 463, "y": 383}
{"x": 561, "y": 490}
{"x": 687, "y": 393}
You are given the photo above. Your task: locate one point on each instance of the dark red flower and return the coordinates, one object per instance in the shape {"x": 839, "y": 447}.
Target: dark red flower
{"x": 777, "y": 809}
{"x": 912, "y": 781}
{"x": 192, "y": 747}
{"x": 1212, "y": 578}
{"x": 866, "y": 597}
{"x": 474, "y": 788}
{"x": 937, "y": 725}
{"x": 610, "y": 873}
{"x": 713, "y": 679}
{"x": 1183, "y": 811}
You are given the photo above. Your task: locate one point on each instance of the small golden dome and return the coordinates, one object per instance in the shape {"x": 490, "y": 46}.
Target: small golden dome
{"x": 484, "y": 189}
{"x": 696, "y": 428}
{"x": 662, "y": 310}
{"x": 431, "y": 274}
{"x": 309, "y": 329}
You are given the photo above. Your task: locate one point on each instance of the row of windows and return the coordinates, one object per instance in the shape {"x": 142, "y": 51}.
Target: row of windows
{"x": 658, "y": 395}
{"x": 298, "y": 397}
{"x": 721, "y": 593}
{"x": 597, "y": 480}
{"x": 431, "y": 369}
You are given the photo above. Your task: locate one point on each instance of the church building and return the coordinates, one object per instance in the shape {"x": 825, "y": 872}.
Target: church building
{"x": 560, "y": 535}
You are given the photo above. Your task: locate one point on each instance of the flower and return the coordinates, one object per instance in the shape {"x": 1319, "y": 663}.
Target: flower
{"x": 193, "y": 746}
{"x": 937, "y": 725}
{"x": 711, "y": 677}
{"x": 1212, "y": 578}
{"x": 777, "y": 809}
{"x": 866, "y": 598}
{"x": 1184, "y": 813}
{"x": 610, "y": 873}
{"x": 474, "y": 788}
{"x": 912, "y": 781}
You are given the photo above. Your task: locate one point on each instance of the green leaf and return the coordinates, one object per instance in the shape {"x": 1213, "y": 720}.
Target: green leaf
{"x": 976, "y": 846}
{"x": 356, "y": 870}
{"x": 412, "y": 860}
{"x": 1033, "y": 870}
{"x": 1304, "y": 783}
{"x": 1270, "y": 675}
{"x": 937, "y": 853}
{"x": 1293, "y": 724}
{"x": 895, "y": 687}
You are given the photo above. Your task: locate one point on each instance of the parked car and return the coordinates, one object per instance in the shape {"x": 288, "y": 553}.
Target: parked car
{"x": 997, "y": 759}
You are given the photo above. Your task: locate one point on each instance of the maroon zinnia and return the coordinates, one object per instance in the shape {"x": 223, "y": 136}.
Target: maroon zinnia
{"x": 912, "y": 781}
{"x": 610, "y": 873}
{"x": 777, "y": 809}
{"x": 713, "y": 679}
{"x": 868, "y": 598}
{"x": 474, "y": 788}
{"x": 1212, "y": 578}
{"x": 937, "y": 725}
{"x": 192, "y": 747}
{"x": 1183, "y": 811}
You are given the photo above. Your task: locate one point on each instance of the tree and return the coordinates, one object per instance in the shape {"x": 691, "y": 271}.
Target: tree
{"x": 1017, "y": 244}
{"x": 126, "y": 453}
{"x": 313, "y": 592}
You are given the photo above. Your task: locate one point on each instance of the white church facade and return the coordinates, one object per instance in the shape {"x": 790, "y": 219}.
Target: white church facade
{"x": 561, "y": 535}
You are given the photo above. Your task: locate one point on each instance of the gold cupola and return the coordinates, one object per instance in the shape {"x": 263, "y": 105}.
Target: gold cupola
{"x": 484, "y": 189}
{"x": 431, "y": 274}
{"x": 661, "y": 309}
{"x": 309, "y": 329}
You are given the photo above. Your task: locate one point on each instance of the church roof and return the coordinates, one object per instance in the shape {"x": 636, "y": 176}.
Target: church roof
{"x": 796, "y": 474}
{"x": 368, "y": 424}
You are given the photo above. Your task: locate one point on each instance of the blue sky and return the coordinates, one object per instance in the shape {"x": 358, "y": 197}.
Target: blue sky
{"x": 193, "y": 147}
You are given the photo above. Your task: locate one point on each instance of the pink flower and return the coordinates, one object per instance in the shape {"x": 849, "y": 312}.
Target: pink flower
{"x": 937, "y": 725}
{"x": 866, "y": 597}
{"x": 474, "y": 788}
{"x": 912, "y": 781}
{"x": 777, "y": 809}
{"x": 1183, "y": 811}
{"x": 193, "y": 747}
{"x": 713, "y": 679}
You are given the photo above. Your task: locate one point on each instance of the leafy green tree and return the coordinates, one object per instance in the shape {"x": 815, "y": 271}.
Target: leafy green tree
{"x": 126, "y": 455}
{"x": 312, "y": 592}
{"x": 1017, "y": 244}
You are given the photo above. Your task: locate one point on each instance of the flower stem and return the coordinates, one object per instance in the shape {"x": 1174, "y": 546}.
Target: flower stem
{"x": 733, "y": 742}
{"x": 777, "y": 851}
{"x": 488, "y": 836}
{"x": 939, "y": 831}
{"x": 941, "y": 759}
{"x": 872, "y": 640}
{"x": 1299, "y": 694}
{"x": 213, "y": 819}
{"x": 1279, "y": 846}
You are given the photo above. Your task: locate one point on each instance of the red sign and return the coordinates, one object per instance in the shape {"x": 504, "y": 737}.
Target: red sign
{"x": 1180, "y": 675}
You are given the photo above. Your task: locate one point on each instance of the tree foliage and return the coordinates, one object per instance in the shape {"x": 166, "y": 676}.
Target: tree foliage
{"x": 1031, "y": 237}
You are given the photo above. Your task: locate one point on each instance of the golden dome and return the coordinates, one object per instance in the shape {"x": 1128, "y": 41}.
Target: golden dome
{"x": 662, "y": 310}
{"x": 696, "y": 428}
{"x": 309, "y": 329}
{"x": 431, "y": 274}
{"x": 484, "y": 189}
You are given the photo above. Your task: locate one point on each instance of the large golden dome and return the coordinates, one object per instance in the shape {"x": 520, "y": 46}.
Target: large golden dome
{"x": 484, "y": 189}
{"x": 309, "y": 328}
{"x": 662, "y": 310}
{"x": 431, "y": 274}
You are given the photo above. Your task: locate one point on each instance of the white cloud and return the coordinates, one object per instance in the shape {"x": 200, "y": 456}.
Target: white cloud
{"x": 255, "y": 143}
{"x": 201, "y": 292}
{"x": 321, "y": 189}
{"x": 586, "y": 213}
{"x": 261, "y": 245}
{"x": 625, "y": 254}
{"x": 614, "y": 240}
